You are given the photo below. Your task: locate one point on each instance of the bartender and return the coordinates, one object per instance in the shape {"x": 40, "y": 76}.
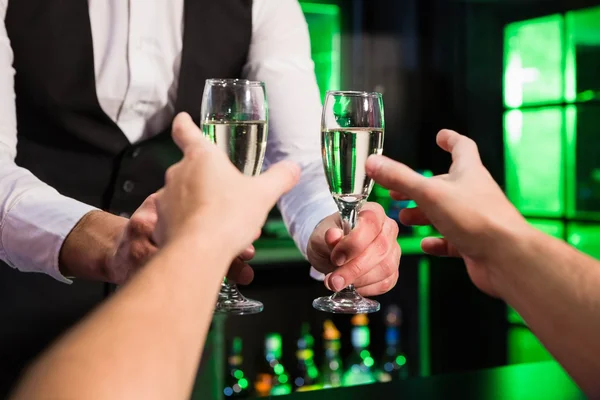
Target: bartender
{"x": 88, "y": 91}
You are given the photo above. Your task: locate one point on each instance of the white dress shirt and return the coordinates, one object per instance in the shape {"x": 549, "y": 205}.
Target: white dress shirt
{"x": 137, "y": 50}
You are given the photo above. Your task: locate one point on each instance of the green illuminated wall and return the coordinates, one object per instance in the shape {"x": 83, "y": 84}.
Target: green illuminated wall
{"x": 534, "y": 158}
{"x": 533, "y": 62}
{"x": 552, "y": 137}
{"x": 551, "y": 96}
{"x": 585, "y": 237}
{"x": 324, "y": 21}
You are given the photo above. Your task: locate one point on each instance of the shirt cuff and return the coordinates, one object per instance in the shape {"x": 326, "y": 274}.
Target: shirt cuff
{"x": 318, "y": 212}
{"x": 35, "y": 228}
{"x": 319, "y": 276}
{"x": 321, "y": 210}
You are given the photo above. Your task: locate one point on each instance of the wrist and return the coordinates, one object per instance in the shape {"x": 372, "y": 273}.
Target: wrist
{"x": 206, "y": 245}
{"x": 513, "y": 244}
{"x": 89, "y": 246}
{"x": 206, "y": 232}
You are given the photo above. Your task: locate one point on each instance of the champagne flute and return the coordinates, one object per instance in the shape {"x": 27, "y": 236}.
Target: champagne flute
{"x": 234, "y": 117}
{"x": 352, "y": 128}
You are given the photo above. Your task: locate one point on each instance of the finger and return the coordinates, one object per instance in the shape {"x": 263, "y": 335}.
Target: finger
{"x": 333, "y": 237}
{"x": 318, "y": 242}
{"x": 248, "y": 254}
{"x": 463, "y": 149}
{"x": 398, "y": 196}
{"x": 413, "y": 216}
{"x": 258, "y": 234}
{"x": 186, "y": 133}
{"x": 148, "y": 209}
{"x": 326, "y": 282}
{"x": 395, "y": 176}
{"x": 387, "y": 267}
{"x": 379, "y": 288}
{"x": 278, "y": 180}
{"x": 240, "y": 272}
{"x": 439, "y": 247}
{"x": 375, "y": 254}
{"x": 140, "y": 252}
{"x": 371, "y": 219}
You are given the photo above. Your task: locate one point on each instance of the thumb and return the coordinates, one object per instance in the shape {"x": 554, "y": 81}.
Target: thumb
{"x": 278, "y": 179}
{"x": 395, "y": 176}
{"x": 187, "y": 135}
{"x": 463, "y": 149}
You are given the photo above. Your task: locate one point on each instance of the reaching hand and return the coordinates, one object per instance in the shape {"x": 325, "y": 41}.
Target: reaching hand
{"x": 368, "y": 257}
{"x": 204, "y": 192}
{"x": 465, "y": 205}
{"x": 135, "y": 246}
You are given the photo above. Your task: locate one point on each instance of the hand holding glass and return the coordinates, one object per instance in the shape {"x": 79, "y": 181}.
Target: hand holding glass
{"x": 352, "y": 129}
{"x": 234, "y": 116}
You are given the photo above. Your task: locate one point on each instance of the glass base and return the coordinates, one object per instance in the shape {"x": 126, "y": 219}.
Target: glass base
{"x": 231, "y": 301}
{"x": 348, "y": 301}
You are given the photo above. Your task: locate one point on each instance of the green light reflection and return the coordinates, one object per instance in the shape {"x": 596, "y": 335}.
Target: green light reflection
{"x": 324, "y": 26}
{"x": 424, "y": 339}
{"x": 585, "y": 238}
{"x": 533, "y": 151}
{"x": 533, "y": 62}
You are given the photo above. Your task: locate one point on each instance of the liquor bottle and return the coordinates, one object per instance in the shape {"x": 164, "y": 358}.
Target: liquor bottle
{"x": 236, "y": 383}
{"x": 307, "y": 372}
{"x": 393, "y": 364}
{"x": 273, "y": 379}
{"x": 360, "y": 364}
{"x": 331, "y": 371}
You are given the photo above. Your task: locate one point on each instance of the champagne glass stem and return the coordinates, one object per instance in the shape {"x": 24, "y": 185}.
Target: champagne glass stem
{"x": 349, "y": 214}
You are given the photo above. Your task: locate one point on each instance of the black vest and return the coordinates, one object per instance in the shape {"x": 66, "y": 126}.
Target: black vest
{"x": 67, "y": 141}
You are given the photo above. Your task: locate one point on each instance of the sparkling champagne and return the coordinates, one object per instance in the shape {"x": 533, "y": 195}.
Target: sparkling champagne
{"x": 345, "y": 153}
{"x": 243, "y": 141}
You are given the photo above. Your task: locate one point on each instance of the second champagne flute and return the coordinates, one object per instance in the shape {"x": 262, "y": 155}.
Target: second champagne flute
{"x": 352, "y": 129}
{"x": 234, "y": 116}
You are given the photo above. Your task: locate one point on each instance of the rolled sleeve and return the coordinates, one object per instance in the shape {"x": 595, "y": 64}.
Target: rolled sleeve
{"x": 34, "y": 229}
{"x": 280, "y": 56}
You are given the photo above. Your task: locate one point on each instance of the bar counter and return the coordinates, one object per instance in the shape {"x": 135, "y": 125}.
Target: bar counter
{"x": 546, "y": 381}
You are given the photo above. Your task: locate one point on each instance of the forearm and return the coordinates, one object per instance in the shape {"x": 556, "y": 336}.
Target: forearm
{"x": 555, "y": 289}
{"x": 152, "y": 330}
{"x": 87, "y": 248}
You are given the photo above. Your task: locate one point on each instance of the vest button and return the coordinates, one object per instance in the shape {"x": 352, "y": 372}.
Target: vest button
{"x": 135, "y": 152}
{"x": 128, "y": 186}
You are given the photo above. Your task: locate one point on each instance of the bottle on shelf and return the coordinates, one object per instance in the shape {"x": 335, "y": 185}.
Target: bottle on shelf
{"x": 273, "y": 379}
{"x": 360, "y": 364}
{"x": 236, "y": 383}
{"x": 307, "y": 373}
{"x": 331, "y": 371}
{"x": 393, "y": 364}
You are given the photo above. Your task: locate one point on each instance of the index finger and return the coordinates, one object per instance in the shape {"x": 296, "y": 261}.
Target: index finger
{"x": 279, "y": 179}
{"x": 395, "y": 176}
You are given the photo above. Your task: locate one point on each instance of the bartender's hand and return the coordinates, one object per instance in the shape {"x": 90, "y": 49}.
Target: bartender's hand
{"x": 136, "y": 246}
{"x": 465, "y": 205}
{"x": 368, "y": 257}
{"x": 205, "y": 194}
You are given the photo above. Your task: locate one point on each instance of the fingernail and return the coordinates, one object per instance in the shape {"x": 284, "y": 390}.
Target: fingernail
{"x": 338, "y": 283}
{"x": 340, "y": 260}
